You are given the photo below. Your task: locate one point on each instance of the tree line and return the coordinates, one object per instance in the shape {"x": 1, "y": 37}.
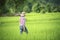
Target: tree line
{"x": 10, "y": 7}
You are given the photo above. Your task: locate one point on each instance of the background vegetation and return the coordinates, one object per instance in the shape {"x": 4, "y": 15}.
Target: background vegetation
{"x": 11, "y": 7}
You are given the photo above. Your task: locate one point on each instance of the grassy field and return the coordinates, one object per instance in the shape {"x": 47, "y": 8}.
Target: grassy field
{"x": 40, "y": 27}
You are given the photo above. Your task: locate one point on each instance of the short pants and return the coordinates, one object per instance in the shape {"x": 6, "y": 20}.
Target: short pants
{"x": 21, "y": 29}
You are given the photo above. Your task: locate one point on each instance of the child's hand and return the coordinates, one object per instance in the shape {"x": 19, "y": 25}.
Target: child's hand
{"x": 23, "y": 28}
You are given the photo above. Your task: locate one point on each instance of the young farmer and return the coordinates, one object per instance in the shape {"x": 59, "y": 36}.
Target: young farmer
{"x": 22, "y": 23}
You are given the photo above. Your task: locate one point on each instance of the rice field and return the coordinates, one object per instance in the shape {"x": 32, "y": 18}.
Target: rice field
{"x": 40, "y": 27}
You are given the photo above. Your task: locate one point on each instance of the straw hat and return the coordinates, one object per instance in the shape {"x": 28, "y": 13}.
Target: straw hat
{"x": 22, "y": 14}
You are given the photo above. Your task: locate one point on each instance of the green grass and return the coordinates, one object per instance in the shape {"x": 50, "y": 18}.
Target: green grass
{"x": 40, "y": 27}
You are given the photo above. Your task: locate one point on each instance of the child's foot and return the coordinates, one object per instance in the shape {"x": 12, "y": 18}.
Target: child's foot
{"x": 26, "y": 32}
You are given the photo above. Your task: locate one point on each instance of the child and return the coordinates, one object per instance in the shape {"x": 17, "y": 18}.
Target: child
{"x": 22, "y": 23}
